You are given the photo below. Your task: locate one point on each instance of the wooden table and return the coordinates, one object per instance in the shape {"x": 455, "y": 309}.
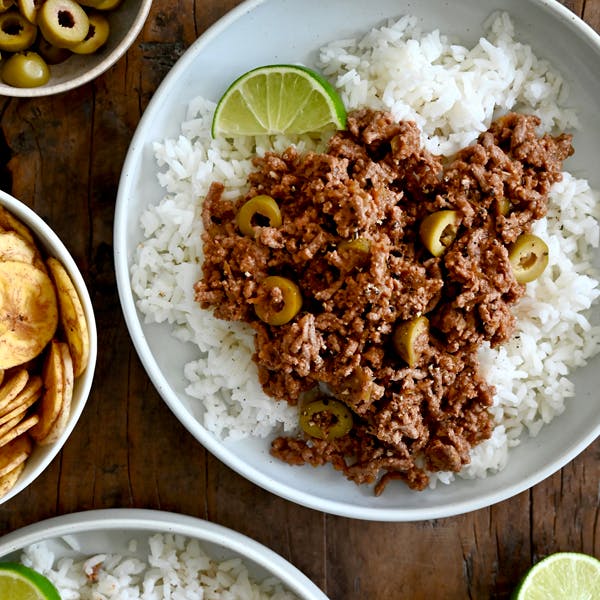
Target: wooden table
{"x": 62, "y": 155}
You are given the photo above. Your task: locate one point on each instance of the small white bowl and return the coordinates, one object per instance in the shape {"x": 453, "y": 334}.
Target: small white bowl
{"x": 125, "y": 22}
{"x": 112, "y": 530}
{"x": 42, "y": 456}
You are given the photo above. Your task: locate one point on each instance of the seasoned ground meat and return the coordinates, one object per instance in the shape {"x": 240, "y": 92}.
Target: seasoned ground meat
{"x": 349, "y": 239}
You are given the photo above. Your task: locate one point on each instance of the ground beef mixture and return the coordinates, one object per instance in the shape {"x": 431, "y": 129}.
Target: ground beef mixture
{"x": 376, "y": 184}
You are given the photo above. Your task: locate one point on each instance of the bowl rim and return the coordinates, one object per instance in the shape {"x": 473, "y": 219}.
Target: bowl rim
{"x": 41, "y": 229}
{"x": 202, "y": 435}
{"x": 152, "y": 520}
{"x": 106, "y": 63}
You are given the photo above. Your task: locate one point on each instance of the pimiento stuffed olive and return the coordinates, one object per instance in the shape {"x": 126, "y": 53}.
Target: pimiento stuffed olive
{"x": 286, "y": 308}
{"x": 528, "y": 257}
{"x": 259, "y": 210}
{"x": 326, "y": 419}
{"x": 408, "y": 339}
{"x": 438, "y": 230}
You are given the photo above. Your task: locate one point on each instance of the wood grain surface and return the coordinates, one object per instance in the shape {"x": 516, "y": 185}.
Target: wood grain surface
{"x": 62, "y": 156}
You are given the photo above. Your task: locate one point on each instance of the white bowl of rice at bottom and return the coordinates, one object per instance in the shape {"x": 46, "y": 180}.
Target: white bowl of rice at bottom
{"x": 125, "y": 554}
{"x": 452, "y": 67}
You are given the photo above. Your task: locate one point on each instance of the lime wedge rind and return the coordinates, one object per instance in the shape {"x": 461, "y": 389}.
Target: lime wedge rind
{"x": 562, "y": 575}
{"x": 19, "y": 582}
{"x": 278, "y": 99}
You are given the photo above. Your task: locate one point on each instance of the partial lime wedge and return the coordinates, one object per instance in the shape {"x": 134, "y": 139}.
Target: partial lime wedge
{"x": 562, "y": 576}
{"x": 286, "y": 99}
{"x": 19, "y": 582}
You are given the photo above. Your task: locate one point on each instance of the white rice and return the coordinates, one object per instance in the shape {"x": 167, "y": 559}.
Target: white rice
{"x": 450, "y": 91}
{"x": 176, "y": 568}
{"x": 453, "y": 93}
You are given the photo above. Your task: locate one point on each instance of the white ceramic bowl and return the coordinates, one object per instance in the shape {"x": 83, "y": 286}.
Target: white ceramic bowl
{"x": 125, "y": 22}
{"x": 47, "y": 239}
{"x": 111, "y": 531}
{"x": 284, "y": 31}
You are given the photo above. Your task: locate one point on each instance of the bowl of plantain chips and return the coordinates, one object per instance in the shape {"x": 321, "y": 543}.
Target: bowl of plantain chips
{"x": 47, "y": 345}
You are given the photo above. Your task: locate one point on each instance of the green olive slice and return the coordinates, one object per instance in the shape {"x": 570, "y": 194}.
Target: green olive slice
{"x": 52, "y": 54}
{"x": 63, "y": 22}
{"x": 91, "y": 3}
{"x": 251, "y": 212}
{"x": 359, "y": 244}
{"x": 16, "y": 32}
{"x": 101, "y": 4}
{"x": 6, "y": 5}
{"x": 96, "y": 37}
{"x": 291, "y": 301}
{"x": 528, "y": 257}
{"x": 504, "y": 205}
{"x": 326, "y": 419}
{"x": 438, "y": 230}
{"x": 356, "y": 251}
{"x": 29, "y": 9}
{"x": 25, "y": 70}
{"x": 408, "y": 339}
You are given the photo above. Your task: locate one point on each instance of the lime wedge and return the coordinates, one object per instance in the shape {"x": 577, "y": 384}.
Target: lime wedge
{"x": 19, "y": 582}
{"x": 274, "y": 99}
{"x": 562, "y": 576}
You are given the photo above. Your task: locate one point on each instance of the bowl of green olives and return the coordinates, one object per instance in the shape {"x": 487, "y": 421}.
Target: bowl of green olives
{"x": 51, "y": 46}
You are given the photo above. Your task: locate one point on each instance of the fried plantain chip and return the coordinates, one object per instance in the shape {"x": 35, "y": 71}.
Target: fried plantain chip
{"x": 20, "y": 428}
{"x": 72, "y": 316}
{"x": 14, "y": 453}
{"x": 10, "y": 424}
{"x": 17, "y": 413}
{"x": 15, "y": 247}
{"x": 8, "y": 481}
{"x": 35, "y": 296}
{"x": 60, "y": 423}
{"x": 12, "y": 387}
{"x": 52, "y": 399}
{"x": 11, "y": 223}
{"x": 26, "y": 398}
{"x": 28, "y": 312}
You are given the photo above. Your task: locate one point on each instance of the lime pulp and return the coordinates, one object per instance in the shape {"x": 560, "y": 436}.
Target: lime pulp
{"x": 278, "y": 99}
{"x": 19, "y": 582}
{"x": 560, "y": 576}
